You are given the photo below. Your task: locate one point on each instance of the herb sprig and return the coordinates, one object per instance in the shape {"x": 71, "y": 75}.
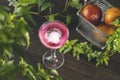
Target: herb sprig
{"x": 84, "y": 48}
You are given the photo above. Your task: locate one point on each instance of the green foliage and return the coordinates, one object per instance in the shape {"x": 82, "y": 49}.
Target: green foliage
{"x": 76, "y": 4}
{"x": 116, "y": 22}
{"x": 22, "y": 8}
{"x": 43, "y": 5}
{"x": 17, "y": 3}
{"x": 9, "y": 71}
{"x": 41, "y": 74}
{"x": 14, "y": 37}
{"x": 12, "y": 30}
{"x": 51, "y": 17}
{"x": 68, "y": 46}
{"x": 68, "y": 19}
{"x": 113, "y": 42}
{"x": 26, "y": 2}
{"x": 86, "y": 49}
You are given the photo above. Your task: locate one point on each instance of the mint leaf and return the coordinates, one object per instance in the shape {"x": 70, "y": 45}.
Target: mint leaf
{"x": 40, "y": 2}
{"x": 46, "y": 5}
{"x": 26, "y": 1}
{"x": 76, "y": 4}
{"x": 68, "y": 19}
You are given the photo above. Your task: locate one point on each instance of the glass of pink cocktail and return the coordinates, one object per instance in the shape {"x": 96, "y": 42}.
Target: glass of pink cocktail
{"x": 53, "y": 35}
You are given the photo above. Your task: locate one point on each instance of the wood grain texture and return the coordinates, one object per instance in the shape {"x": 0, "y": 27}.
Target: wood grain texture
{"x": 73, "y": 69}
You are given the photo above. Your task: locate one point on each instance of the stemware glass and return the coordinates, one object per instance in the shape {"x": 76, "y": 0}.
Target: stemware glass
{"x": 53, "y": 35}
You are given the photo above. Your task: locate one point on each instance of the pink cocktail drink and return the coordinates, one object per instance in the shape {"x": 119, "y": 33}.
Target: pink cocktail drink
{"x": 53, "y": 34}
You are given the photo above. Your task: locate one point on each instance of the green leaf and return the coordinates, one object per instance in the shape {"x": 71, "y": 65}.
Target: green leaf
{"x": 68, "y": 19}
{"x": 9, "y": 71}
{"x": 40, "y": 2}
{"x": 45, "y": 6}
{"x": 62, "y": 48}
{"x": 116, "y": 22}
{"x": 78, "y": 57}
{"x": 12, "y": 2}
{"x": 27, "y": 37}
{"x": 31, "y": 72}
{"x": 22, "y": 10}
{"x": 116, "y": 45}
{"x": 106, "y": 59}
{"x": 72, "y": 42}
{"x": 74, "y": 51}
{"x": 66, "y": 50}
{"x": 54, "y": 72}
{"x": 76, "y": 4}
{"x": 21, "y": 31}
{"x": 51, "y": 17}
{"x": 26, "y": 1}
{"x": 2, "y": 17}
{"x": 8, "y": 52}
{"x": 3, "y": 37}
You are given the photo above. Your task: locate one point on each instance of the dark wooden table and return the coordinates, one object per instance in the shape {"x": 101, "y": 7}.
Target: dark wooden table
{"x": 73, "y": 69}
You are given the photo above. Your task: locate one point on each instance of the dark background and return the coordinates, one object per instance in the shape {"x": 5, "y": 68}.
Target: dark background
{"x": 72, "y": 69}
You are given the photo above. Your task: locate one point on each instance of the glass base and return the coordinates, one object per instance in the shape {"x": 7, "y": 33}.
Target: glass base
{"x": 53, "y": 59}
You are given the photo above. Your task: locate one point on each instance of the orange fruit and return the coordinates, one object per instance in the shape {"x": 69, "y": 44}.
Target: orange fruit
{"x": 107, "y": 29}
{"x": 111, "y": 14}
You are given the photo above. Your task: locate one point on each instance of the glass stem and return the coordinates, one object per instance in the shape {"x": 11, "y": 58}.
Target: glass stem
{"x": 85, "y": 2}
{"x": 53, "y": 52}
